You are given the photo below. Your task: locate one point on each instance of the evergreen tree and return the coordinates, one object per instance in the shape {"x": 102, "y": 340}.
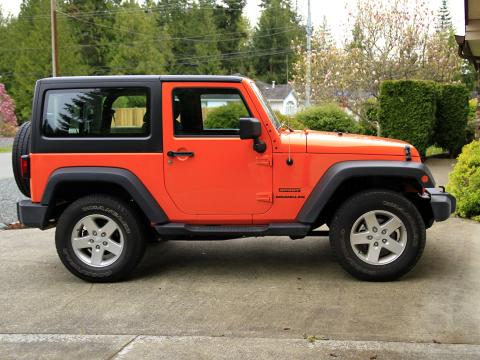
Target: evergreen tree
{"x": 232, "y": 30}
{"x": 324, "y": 33}
{"x": 139, "y": 46}
{"x": 444, "y": 22}
{"x": 93, "y": 22}
{"x": 30, "y": 39}
{"x": 275, "y": 37}
{"x": 194, "y": 36}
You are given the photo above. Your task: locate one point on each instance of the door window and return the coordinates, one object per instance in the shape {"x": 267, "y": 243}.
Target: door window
{"x": 207, "y": 112}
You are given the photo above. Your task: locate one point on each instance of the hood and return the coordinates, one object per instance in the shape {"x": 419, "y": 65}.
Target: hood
{"x": 338, "y": 143}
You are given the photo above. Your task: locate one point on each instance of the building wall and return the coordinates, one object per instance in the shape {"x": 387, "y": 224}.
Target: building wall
{"x": 276, "y": 105}
{"x": 290, "y": 105}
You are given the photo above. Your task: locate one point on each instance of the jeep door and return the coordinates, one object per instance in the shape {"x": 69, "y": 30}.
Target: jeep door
{"x": 208, "y": 169}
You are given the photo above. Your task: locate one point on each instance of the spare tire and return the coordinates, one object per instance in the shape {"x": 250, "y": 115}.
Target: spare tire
{"x": 21, "y": 146}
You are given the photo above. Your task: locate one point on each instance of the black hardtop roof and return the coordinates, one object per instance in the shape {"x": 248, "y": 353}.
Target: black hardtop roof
{"x": 140, "y": 78}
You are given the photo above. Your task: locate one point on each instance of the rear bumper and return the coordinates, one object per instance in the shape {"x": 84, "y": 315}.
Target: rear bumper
{"x": 32, "y": 214}
{"x": 443, "y": 204}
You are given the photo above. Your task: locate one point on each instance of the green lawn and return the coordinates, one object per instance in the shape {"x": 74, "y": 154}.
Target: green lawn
{"x": 434, "y": 150}
{"x": 5, "y": 149}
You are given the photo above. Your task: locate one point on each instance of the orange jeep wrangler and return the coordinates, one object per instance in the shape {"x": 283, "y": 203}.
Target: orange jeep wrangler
{"x": 114, "y": 161}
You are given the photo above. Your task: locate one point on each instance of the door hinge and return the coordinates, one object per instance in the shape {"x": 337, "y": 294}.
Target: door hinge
{"x": 265, "y": 197}
{"x": 264, "y": 160}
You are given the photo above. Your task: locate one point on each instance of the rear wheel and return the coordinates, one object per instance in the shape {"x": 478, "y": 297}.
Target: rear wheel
{"x": 21, "y": 146}
{"x": 100, "y": 238}
{"x": 377, "y": 235}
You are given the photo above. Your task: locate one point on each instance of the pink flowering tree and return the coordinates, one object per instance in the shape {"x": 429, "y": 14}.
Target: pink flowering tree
{"x": 8, "y": 120}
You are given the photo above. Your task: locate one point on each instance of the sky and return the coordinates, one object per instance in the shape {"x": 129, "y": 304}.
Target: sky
{"x": 335, "y": 11}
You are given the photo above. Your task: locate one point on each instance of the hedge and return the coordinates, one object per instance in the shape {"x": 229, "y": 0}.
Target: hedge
{"x": 464, "y": 181}
{"x": 452, "y": 117}
{"x": 226, "y": 116}
{"x": 329, "y": 117}
{"x": 407, "y": 111}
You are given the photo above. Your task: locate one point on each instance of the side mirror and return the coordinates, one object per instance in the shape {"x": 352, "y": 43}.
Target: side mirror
{"x": 251, "y": 128}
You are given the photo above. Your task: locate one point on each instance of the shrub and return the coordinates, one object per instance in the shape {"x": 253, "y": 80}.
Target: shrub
{"x": 407, "y": 111}
{"x": 472, "y": 109}
{"x": 226, "y": 116}
{"x": 433, "y": 150}
{"x": 472, "y": 120}
{"x": 291, "y": 121}
{"x": 452, "y": 117}
{"x": 464, "y": 181}
{"x": 369, "y": 117}
{"x": 8, "y": 120}
{"x": 329, "y": 117}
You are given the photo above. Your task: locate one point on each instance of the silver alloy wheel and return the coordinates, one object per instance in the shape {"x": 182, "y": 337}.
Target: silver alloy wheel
{"x": 378, "y": 237}
{"x": 97, "y": 240}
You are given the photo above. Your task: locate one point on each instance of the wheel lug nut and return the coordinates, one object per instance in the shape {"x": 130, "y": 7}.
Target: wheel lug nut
{"x": 97, "y": 247}
{"x": 384, "y": 241}
{"x": 375, "y": 243}
{"x": 369, "y": 237}
{"x": 105, "y": 243}
{"x": 384, "y": 232}
{"x": 374, "y": 229}
{"x": 94, "y": 233}
{"x": 90, "y": 241}
{"x": 103, "y": 234}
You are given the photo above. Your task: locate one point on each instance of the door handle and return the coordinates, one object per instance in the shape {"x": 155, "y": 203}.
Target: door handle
{"x": 180, "y": 153}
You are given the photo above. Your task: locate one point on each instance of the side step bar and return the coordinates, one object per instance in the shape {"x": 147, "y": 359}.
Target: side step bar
{"x": 233, "y": 231}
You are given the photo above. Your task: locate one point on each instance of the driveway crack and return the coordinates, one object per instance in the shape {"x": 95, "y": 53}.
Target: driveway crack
{"x": 124, "y": 348}
{"x": 69, "y": 302}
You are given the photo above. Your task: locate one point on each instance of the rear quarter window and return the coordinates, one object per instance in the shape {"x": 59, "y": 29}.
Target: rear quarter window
{"x": 96, "y": 112}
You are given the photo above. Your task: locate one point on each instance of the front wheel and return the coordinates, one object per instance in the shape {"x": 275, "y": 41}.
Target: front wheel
{"x": 377, "y": 235}
{"x": 99, "y": 238}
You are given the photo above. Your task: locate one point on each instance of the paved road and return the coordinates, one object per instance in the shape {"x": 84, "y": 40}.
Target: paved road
{"x": 6, "y": 166}
{"x": 9, "y": 193}
{"x": 6, "y": 142}
{"x": 245, "y": 298}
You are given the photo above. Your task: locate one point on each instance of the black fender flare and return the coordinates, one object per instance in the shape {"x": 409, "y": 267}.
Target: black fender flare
{"x": 118, "y": 176}
{"x": 338, "y": 173}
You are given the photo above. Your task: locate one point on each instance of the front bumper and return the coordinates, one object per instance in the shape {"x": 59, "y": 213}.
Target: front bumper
{"x": 443, "y": 204}
{"x": 32, "y": 214}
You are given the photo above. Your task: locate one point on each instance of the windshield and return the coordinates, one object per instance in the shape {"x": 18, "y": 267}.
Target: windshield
{"x": 266, "y": 106}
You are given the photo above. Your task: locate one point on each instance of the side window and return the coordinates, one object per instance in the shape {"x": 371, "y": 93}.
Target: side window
{"x": 96, "y": 112}
{"x": 207, "y": 112}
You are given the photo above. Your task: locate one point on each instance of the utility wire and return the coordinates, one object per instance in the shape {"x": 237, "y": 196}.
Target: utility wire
{"x": 240, "y": 55}
{"x": 145, "y": 10}
{"x": 153, "y": 40}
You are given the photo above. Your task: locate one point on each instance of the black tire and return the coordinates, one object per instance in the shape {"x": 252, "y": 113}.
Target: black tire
{"x": 128, "y": 221}
{"x": 381, "y": 200}
{"x": 21, "y": 146}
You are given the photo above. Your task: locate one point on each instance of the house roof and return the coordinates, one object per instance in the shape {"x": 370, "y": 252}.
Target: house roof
{"x": 277, "y": 92}
{"x": 470, "y": 43}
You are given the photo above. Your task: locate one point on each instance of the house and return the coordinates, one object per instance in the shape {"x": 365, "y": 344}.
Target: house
{"x": 469, "y": 44}
{"x": 282, "y": 97}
